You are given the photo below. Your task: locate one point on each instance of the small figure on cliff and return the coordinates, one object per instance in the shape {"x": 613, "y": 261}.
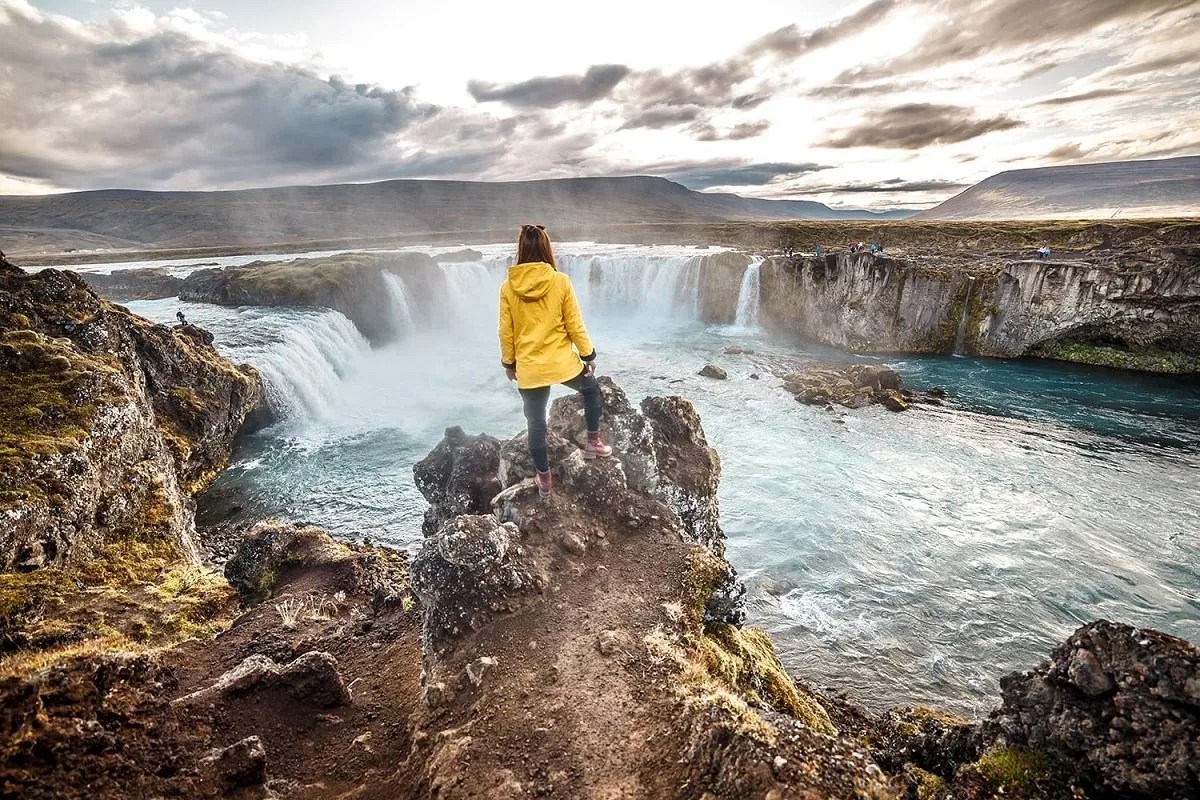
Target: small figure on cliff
{"x": 543, "y": 342}
{"x": 1043, "y": 252}
{"x": 179, "y": 316}
{"x": 875, "y": 248}
{"x": 817, "y": 251}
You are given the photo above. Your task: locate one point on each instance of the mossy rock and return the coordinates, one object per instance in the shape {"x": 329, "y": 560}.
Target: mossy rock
{"x": 1016, "y": 773}
{"x": 723, "y": 658}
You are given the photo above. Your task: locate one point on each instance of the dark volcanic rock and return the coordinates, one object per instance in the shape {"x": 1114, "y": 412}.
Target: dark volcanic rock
{"x": 662, "y": 450}
{"x": 240, "y": 765}
{"x": 472, "y": 569}
{"x": 855, "y": 386}
{"x": 271, "y": 551}
{"x": 459, "y": 476}
{"x": 311, "y": 678}
{"x": 1120, "y": 703}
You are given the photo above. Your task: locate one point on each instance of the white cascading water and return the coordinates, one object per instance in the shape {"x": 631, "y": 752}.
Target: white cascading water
{"x": 303, "y": 371}
{"x": 750, "y": 295}
{"x": 402, "y": 305}
{"x": 659, "y": 287}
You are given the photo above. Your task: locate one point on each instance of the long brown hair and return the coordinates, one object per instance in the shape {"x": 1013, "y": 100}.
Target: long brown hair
{"x": 533, "y": 244}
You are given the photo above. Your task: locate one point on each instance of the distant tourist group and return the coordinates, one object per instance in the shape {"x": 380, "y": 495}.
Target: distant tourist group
{"x": 1043, "y": 252}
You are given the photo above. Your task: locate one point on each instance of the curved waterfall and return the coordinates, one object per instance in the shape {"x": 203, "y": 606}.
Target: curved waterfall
{"x": 402, "y": 304}
{"x": 303, "y": 369}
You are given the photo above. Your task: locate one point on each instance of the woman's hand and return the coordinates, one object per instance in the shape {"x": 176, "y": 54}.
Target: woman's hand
{"x": 589, "y": 368}
{"x": 511, "y": 373}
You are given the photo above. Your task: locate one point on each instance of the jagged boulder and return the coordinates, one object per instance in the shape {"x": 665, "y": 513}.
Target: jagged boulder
{"x": 459, "y": 476}
{"x": 312, "y": 678}
{"x": 472, "y": 569}
{"x": 662, "y": 449}
{"x": 110, "y": 423}
{"x": 1120, "y": 704}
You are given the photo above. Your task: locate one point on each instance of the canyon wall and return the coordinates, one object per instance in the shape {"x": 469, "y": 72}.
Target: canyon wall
{"x": 1146, "y": 316}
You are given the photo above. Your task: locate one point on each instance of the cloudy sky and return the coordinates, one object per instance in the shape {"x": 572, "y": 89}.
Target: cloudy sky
{"x": 884, "y": 103}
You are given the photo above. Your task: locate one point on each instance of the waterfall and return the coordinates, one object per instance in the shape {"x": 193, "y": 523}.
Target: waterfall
{"x": 750, "y": 295}
{"x": 658, "y": 287}
{"x": 961, "y": 337}
{"x": 304, "y": 365}
{"x": 402, "y": 305}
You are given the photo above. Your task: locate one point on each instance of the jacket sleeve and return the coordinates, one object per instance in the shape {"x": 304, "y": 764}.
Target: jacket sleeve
{"x": 508, "y": 348}
{"x": 573, "y": 318}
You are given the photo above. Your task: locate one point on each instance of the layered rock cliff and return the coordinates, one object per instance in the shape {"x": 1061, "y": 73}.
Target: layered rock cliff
{"x": 356, "y": 284}
{"x": 1135, "y": 314}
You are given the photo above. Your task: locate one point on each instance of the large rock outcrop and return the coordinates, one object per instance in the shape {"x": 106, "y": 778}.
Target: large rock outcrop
{"x": 110, "y": 423}
{"x": 1118, "y": 705}
{"x": 382, "y": 293}
{"x": 572, "y": 645}
{"x": 1148, "y": 310}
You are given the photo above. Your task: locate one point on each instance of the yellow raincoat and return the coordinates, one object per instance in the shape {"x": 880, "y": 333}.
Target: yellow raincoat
{"x": 541, "y": 328}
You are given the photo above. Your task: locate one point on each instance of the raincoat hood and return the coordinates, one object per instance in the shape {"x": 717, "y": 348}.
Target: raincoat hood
{"x": 532, "y": 280}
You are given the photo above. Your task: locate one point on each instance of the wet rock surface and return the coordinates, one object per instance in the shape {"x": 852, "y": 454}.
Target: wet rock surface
{"x": 856, "y": 386}
{"x": 1132, "y": 307}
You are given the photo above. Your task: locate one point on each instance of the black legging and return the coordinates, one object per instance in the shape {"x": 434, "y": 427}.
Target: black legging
{"x": 535, "y": 401}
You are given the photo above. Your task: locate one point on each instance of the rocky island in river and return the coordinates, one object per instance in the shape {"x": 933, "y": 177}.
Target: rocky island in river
{"x": 593, "y": 645}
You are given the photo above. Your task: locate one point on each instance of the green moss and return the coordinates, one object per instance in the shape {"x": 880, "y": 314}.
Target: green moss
{"x": 1142, "y": 359}
{"x": 48, "y": 406}
{"x": 927, "y": 785}
{"x": 739, "y": 661}
{"x": 1017, "y": 773}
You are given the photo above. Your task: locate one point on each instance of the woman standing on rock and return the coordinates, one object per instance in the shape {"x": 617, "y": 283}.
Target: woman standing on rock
{"x": 543, "y": 342}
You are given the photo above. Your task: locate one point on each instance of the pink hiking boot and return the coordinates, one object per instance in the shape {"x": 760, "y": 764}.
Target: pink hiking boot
{"x": 544, "y": 482}
{"x": 596, "y": 448}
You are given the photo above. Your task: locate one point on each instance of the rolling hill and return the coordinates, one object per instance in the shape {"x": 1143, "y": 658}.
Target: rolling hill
{"x": 120, "y": 219}
{"x": 1123, "y": 189}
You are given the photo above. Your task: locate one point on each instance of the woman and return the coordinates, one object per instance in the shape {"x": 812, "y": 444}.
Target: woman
{"x": 543, "y": 342}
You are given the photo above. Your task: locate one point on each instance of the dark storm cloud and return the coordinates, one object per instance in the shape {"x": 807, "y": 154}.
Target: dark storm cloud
{"x": 162, "y": 108}
{"x": 984, "y": 27}
{"x": 593, "y": 85}
{"x": 915, "y": 125}
{"x": 710, "y": 86}
{"x": 790, "y": 41}
{"x": 705, "y": 132}
{"x": 663, "y": 116}
{"x": 705, "y": 176}
{"x": 1082, "y": 97}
